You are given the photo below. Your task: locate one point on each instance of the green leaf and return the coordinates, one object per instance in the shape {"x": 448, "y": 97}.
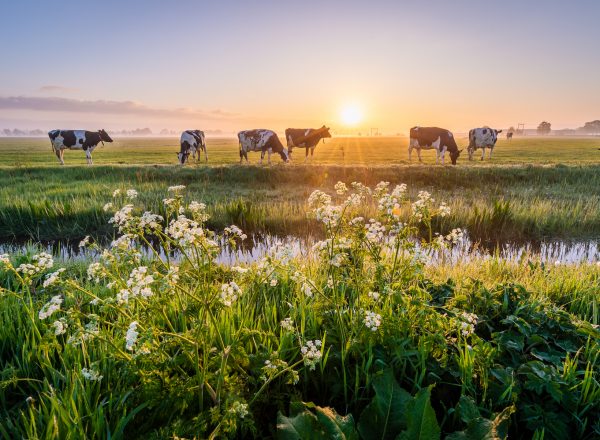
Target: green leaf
{"x": 385, "y": 416}
{"x": 304, "y": 424}
{"x": 422, "y": 422}
{"x": 484, "y": 429}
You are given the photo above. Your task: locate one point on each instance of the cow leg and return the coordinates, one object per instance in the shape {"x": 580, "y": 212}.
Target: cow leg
{"x": 419, "y": 155}
{"x": 269, "y": 151}
{"x": 312, "y": 152}
{"x": 262, "y": 156}
{"x": 205, "y": 155}
{"x": 443, "y": 155}
{"x": 482, "y": 153}
{"x": 491, "y": 149}
{"x": 57, "y": 152}
{"x": 88, "y": 156}
{"x": 409, "y": 152}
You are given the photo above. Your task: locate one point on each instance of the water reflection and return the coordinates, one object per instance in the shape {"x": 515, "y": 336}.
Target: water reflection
{"x": 257, "y": 246}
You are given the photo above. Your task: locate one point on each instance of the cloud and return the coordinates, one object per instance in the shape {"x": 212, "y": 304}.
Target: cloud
{"x": 55, "y": 104}
{"x": 57, "y": 89}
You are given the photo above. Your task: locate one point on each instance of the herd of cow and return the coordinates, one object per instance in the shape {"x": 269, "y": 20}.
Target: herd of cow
{"x": 193, "y": 142}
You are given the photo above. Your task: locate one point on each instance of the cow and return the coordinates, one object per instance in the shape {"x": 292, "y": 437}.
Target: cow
{"x": 428, "y": 138}
{"x": 261, "y": 140}
{"x": 76, "y": 140}
{"x": 484, "y": 137}
{"x": 306, "y": 138}
{"x": 192, "y": 141}
{"x": 509, "y": 136}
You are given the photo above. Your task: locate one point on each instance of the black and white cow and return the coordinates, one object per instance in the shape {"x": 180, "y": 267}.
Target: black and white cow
{"x": 261, "y": 140}
{"x": 76, "y": 140}
{"x": 484, "y": 137}
{"x": 439, "y": 139}
{"x": 306, "y": 138}
{"x": 192, "y": 141}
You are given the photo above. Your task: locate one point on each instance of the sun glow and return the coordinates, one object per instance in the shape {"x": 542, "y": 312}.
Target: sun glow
{"x": 351, "y": 115}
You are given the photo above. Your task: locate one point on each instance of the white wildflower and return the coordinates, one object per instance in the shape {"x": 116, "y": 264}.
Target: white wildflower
{"x": 60, "y": 326}
{"x": 341, "y": 188}
{"x": 85, "y": 241}
{"x": 230, "y": 293}
{"x": 91, "y": 375}
{"x": 50, "y": 307}
{"x": 306, "y": 289}
{"x": 122, "y": 217}
{"x": 116, "y": 192}
{"x": 176, "y": 188}
{"x": 311, "y": 352}
{"x": 107, "y": 206}
{"x": 273, "y": 282}
{"x": 233, "y": 231}
{"x": 444, "y": 210}
{"x": 131, "y": 336}
{"x": 132, "y": 194}
{"x": 372, "y": 320}
{"x": 5, "y": 259}
{"x": 239, "y": 409}
{"x": 318, "y": 199}
{"x": 52, "y": 278}
{"x": 374, "y": 295}
{"x": 151, "y": 222}
{"x": 288, "y": 324}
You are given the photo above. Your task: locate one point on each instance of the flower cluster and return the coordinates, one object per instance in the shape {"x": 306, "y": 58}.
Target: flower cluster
{"x": 176, "y": 188}
{"x": 91, "y": 375}
{"x": 311, "y": 352}
{"x": 41, "y": 262}
{"x": 318, "y": 199}
{"x": 198, "y": 211}
{"x": 233, "y": 232}
{"x": 287, "y": 324}
{"x": 468, "y": 323}
{"x": 150, "y": 222}
{"x": 52, "y": 278}
{"x": 340, "y": 188}
{"x": 185, "y": 231}
{"x": 239, "y": 409}
{"x": 122, "y": 217}
{"x": 137, "y": 285}
{"x": 372, "y": 320}
{"x": 60, "y": 326}
{"x": 131, "y": 336}
{"x": 50, "y": 307}
{"x": 230, "y": 293}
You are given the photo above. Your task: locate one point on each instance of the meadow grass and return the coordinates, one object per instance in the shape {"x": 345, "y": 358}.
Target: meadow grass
{"x": 503, "y": 202}
{"x": 360, "y": 337}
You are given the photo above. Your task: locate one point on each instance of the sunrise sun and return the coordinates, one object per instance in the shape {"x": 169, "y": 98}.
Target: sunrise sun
{"x": 351, "y": 115}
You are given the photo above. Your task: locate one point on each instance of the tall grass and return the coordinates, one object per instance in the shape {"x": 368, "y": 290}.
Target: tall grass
{"x": 506, "y": 203}
{"x": 360, "y": 337}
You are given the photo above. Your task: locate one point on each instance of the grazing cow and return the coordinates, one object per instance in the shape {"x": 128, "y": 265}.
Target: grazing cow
{"x": 306, "y": 138}
{"x": 261, "y": 140}
{"x": 481, "y": 138}
{"x": 76, "y": 140}
{"x": 192, "y": 141}
{"x": 509, "y": 136}
{"x": 439, "y": 139}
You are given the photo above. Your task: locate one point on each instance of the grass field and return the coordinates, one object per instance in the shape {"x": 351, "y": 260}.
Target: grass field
{"x": 338, "y": 151}
{"x": 532, "y": 189}
{"x": 139, "y": 344}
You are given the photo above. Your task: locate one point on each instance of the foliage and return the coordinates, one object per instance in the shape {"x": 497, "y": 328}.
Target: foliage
{"x": 154, "y": 339}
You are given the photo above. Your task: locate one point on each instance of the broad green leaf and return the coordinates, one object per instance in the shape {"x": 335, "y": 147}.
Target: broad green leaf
{"x": 484, "y": 429}
{"x": 385, "y": 416}
{"x": 305, "y": 424}
{"x": 422, "y": 422}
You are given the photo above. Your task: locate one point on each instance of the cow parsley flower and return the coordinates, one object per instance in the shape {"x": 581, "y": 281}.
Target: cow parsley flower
{"x": 273, "y": 282}
{"x": 151, "y": 222}
{"x": 311, "y": 352}
{"x": 234, "y": 232}
{"x": 306, "y": 289}
{"x": 84, "y": 242}
{"x": 230, "y": 293}
{"x": 185, "y": 231}
{"x": 107, "y": 206}
{"x": 52, "y": 278}
{"x": 5, "y": 259}
{"x": 341, "y": 188}
{"x": 138, "y": 282}
{"x": 176, "y": 188}
{"x": 96, "y": 271}
{"x": 116, "y": 193}
{"x": 50, "y": 307}
{"x": 372, "y": 320}
{"x": 240, "y": 409}
{"x": 91, "y": 375}
{"x": 455, "y": 236}
{"x": 288, "y": 324}
{"x": 318, "y": 198}
{"x": 198, "y": 211}
{"x": 60, "y": 327}
{"x": 468, "y": 323}
{"x": 131, "y": 336}
{"x": 444, "y": 210}
{"x": 43, "y": 260}
{"x": 132, "y": 194}
{"x": 374, "y": 295}
{"x": 168, "y": 202}
{"x": 122, "y": 217}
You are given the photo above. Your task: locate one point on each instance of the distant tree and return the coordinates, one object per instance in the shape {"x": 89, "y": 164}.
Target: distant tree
{"x": 592, "y": 127}
{"x": 6, "y": 131}
{"x": 544, "y": 128}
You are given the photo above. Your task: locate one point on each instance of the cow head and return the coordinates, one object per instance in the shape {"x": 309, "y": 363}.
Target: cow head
{"x": 325, "y": 133}
{"x": 182, "y": 156}
{"x": 285, "y": 155}
{"x": 498, "y": 131}
{"x": 454, "y": 155}
{"x": 104, "y": 136}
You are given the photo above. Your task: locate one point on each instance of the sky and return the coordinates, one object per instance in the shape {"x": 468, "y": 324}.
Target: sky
{"x": 352, "y": 65}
